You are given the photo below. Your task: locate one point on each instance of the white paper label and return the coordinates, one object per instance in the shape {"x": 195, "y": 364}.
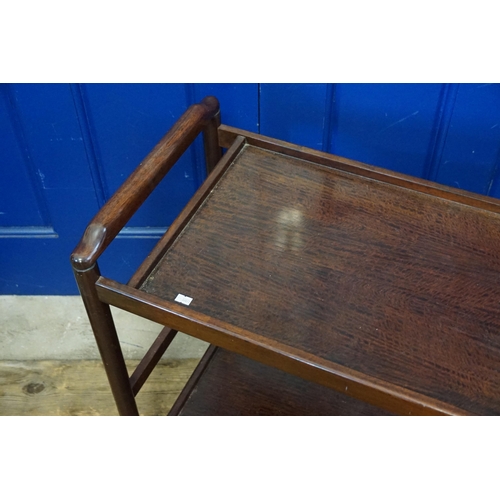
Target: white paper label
{"x": 183, "y": 299}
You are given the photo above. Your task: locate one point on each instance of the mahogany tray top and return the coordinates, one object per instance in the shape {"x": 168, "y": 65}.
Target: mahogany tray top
{"x": 380, "y": 286}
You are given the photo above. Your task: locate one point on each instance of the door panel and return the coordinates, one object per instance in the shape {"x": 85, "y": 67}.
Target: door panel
{"x": 388, "y": 125}
{"x": 34, "y": 254}
{"x": 449, "y": 133}
{"x": 55, "y": 147}
{"x": 16, "y": 175}
{"x": 295, "y": 113}
{"x": 470, "y": 156}
{"x": 67, "y": 148}
{"x": 125, "y": 122}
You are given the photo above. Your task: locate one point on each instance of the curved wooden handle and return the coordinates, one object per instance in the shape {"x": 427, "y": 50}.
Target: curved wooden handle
{"x": 124, "y": 203}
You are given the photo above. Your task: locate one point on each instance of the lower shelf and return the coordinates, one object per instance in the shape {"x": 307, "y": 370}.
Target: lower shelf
{"x": 225, "y": 383}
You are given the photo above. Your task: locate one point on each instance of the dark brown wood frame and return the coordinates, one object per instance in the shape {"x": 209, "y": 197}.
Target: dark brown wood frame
{"x": 99, "y": 292}
{"x": 105, "y": 226}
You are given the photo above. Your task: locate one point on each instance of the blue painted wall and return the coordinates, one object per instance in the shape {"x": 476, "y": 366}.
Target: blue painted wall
{"x": 66, "y": 148}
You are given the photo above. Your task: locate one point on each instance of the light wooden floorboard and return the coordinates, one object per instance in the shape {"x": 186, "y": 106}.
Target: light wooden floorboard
{"x": 81, "y": 387}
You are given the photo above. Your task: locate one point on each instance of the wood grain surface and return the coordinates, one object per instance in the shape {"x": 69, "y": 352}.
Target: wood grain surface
{"x": 233, "y": 385}
{"x": 391, "y": 282}
{"x": 50, "y": 388}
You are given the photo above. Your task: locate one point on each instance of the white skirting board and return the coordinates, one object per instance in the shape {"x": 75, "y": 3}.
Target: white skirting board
{"x": 56, "y": 327}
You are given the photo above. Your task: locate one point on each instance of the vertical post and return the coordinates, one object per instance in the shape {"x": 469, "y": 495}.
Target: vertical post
{"x": 213, "y": 152}
{"x": 106, "y": 337}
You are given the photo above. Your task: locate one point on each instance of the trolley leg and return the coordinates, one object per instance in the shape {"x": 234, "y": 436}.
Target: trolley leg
{"x": 213, "y": 152}
{"x": 106, "y": 337}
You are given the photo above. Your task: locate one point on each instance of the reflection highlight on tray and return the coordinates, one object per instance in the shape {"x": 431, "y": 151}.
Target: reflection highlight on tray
{"x": 289, "y": 222}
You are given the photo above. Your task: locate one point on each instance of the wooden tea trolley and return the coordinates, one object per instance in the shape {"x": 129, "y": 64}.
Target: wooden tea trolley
{"x": 324, "y": 286}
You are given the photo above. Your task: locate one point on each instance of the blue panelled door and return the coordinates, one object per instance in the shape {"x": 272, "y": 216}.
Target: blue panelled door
{"x": 66, "y": 148}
